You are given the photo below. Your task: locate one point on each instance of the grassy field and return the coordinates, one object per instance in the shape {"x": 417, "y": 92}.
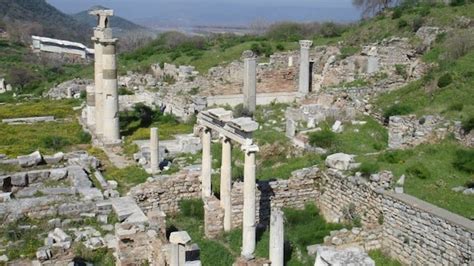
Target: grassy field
{"x": 430, "y": 174}
{"x": 47, "y": 137}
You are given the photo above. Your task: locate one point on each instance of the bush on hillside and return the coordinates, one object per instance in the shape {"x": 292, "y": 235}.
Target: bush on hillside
{"x": 468, "y": 124}
{"x": 419, "y": 170}
{"x": 262, "y": 49}
{"x": 286, "y": 31}
{"x": 456, "y": 107}
{"x": 324, "y": 139}
{"x": 465, "y": 161}
{"x": 402, "y": 23}
{"x": 397, "y": 109}
{"x": 331, "y": 29}
{"x": 397, "y": 13}
{"x": 417, "y": 23}
{"x": 445, "y": 80}
{"x": 394, "y": 157}
{"x": 368, "y": 168}
{"x": 458, "y": 44}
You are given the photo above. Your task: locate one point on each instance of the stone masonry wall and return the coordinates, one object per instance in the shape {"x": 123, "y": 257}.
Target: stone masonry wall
{"x": 413, "y": 231}
{"x": 301, "y": 188}
{"x": 166, "y": 192}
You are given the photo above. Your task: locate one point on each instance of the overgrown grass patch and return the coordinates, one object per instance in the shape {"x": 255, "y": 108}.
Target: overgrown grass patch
{"x": 58, "y": 109}
{"x": 126, "y": 177}
{"x": 431, "y": 173}
{"x": 381, "y": 259}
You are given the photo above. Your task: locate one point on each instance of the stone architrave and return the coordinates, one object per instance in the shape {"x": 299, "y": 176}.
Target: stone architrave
{"x": 277, "y": 240}
{"x": 250, "y": 81}
{"x": 154, "y": 151}
{"x": 206, "y": 168}
{"x": 304, "y": 67}
{"x": 249, "y": 219}
{"x": 226, "y": 183}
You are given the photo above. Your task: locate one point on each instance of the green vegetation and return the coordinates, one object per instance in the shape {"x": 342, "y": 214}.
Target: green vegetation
{"x": 25, "y": 241}
{"x": 126, "y": 177}
{"x": 302, "y": 228}
{"x": 101, "y": 256}
{"x": 431, "y": 171}
{"x": 382, "y": 260}
{"x": 49, "y": 137}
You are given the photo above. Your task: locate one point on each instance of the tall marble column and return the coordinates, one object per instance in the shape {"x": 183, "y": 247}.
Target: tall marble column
{"x": 99, "y": 103}
{"x": 226, "y": 183}
{"x": 111, "y": 129}
{"x": 249, "y": 219}
{"x": 277, "y": 239}
{"x": 206, "y": 168}
{"x": 304, "y": 67}
{"x": 90, "y": 106}
{"x": 154, "y": 150}
{"x": 250, "y": 81}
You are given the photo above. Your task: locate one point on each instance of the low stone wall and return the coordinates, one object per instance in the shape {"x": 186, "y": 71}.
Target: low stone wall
{"x": 166, "y": 192}
{"x": 367, "y": 239}
{"x": 410, "y": 131}
{"x": 301, "y": 188}
{"x": 413, "y": 231}
{"x": 419, "y": 233}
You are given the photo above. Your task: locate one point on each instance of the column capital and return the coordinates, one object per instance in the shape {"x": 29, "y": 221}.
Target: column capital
{"x": 250, "y": 148}
{"x": 224, "y": 138}
{"x": 248, "y": 54}
{"x": 306, "y": 44}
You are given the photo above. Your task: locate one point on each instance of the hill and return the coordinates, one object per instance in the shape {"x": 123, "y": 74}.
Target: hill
{"x": 119, "y": 24}
{"x": 24, "y": 18}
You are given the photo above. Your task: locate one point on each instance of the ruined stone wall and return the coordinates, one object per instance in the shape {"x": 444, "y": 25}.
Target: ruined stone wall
{"x": 413, "y": 231}
{"x": 301, "y": 188}
{"x": 410, "y": 131}
{"x": 416, "y": 233}
{"x": 166, "y": 192}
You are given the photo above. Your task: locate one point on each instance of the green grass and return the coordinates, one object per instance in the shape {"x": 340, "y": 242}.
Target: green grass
{"x": 58, "y": 109}
{"x": 383, "y": 260}
{"x": 431, "y": 174}
{"x": 126, "y": 177}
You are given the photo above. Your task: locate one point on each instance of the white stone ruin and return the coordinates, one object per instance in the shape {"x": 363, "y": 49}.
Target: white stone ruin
{"x": 105, "y": 103}
{"x": 250, "y": 81}
{"x": 304, "y": 76}
{"x": 238, "y": 130}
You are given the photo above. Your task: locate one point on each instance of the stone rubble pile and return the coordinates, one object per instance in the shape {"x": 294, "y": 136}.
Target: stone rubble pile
{"x": 69, "y": 89}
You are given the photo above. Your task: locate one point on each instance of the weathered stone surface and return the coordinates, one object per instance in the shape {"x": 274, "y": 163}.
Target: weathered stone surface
{"x": 30, "y": 160}
{"x": 19, "y": 180}
{"x": 58, "y": 174}
{"x": 180, "y": 237}
{"x": 78, "y": 177}
{"x": 340, "y": 161}
{"x": 55, "y": 159}
{"x": 350, "y": 256}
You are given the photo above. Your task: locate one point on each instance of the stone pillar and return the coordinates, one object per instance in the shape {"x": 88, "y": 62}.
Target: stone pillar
{"x": 226, "y": 183}
{"x": 290, "y": 61}
{"x": 174, "y": 255}
{"x": 99, "y": 103}
{"x": 249, "y": 220}
{"x": 304, "y": 67}
{"x": 250, "y": 81}
{"x": 90, "y": 106}
{"x": 277, "y": 239}
{"x": 154, "y": 150}
{"x": 111, "y": 130}
{"x": 206, "y": 168}
{"x": 69, "y": 93}
{"x": 372, "y": 61}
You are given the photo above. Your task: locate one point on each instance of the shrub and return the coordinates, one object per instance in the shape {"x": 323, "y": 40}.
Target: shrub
{"x": 324, "y": 139}
{"x": 397, "y": 109}
{"x": 417, "y": 23}
{"x": 456, "y": 107}
{"x": 54, "y": 142}
{"x": 351, "y": 215}
{"x": 331, "y": 29}
{"x": 445, "y": 80}
{"x": 84, "y": 137}
{"x": 280, "y": 47}
{"x": 168, "y": 79}
{"x": 465, "y": 160}
{"x": 368, "y": 168}
{"x": 393, "y": 157}
{"x": 397, "y": 13}
{"x": 419, "y": 171}
{"x": 468, "y": 124}
{"x": 124, "y": 91}
{"x": 401, "y": 70}
{"x": 192, "y": 208}
{"x": 262, "y": 48}
{"x": 286, "y": 31}
{"x": 458, "y": 44}
{"x": 402, "y": 23}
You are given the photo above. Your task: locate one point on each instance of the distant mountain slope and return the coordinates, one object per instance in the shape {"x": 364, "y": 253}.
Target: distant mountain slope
{"x": 119, "y": 24}
{"x": 36, "y": 17}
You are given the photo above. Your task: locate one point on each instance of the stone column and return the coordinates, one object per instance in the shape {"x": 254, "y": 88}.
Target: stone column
{"x": 304, "y": 67}
{"x": 290, "y": 61}
{"x": 249, "y": 220}
{"x": 226, "y": 183}
{"x": 90, "y": 107}
{"x": 154, "y": 150}
{"x": 99, "y": 103}
{"x": 206, "y": 168}
{"x": 111, "y": 130}
{"x": 250, "y": 81}
{"x": 277, "y": 239}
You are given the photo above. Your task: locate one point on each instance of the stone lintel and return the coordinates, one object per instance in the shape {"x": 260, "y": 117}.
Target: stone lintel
{"x": 245, "y": 124}
{"x": 220, "y": 114}
{"x": 102, "y": 12}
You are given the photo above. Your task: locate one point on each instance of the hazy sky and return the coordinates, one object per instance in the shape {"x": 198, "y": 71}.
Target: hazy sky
{"x": 219, "y": 11}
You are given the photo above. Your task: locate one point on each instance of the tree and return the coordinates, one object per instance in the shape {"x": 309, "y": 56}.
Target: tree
{"x": 371, "y": 7}
{"x": 20, "y": 77}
